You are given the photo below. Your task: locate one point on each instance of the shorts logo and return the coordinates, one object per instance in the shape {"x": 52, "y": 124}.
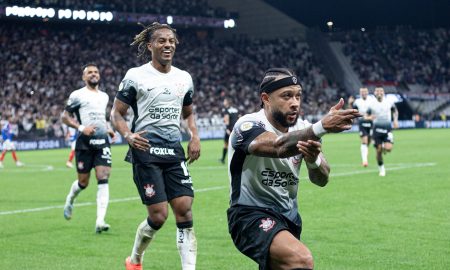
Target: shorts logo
{"x": 80, "y": 165}
{"x": 149, "y": 191}
{"x": 267, "y": 224}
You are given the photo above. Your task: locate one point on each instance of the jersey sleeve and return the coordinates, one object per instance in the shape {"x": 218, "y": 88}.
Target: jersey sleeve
{"x": 73, "y": 103}
{"x": 189, "y": 94}
{"x": 127, "y": 90}
{"x": 244, "y": 133}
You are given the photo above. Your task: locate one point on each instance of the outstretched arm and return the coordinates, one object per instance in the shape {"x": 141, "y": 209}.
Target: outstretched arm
{"x": 268, "y": 144}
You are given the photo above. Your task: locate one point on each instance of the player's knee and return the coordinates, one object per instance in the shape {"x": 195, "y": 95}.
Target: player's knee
{"x": 300, "y": 257}
{"x": 158, "y": 216}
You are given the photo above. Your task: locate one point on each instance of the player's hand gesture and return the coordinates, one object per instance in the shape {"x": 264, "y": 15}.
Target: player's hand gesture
{"x": 89, "y": 130}
{"x": 338, "y": 120}
{"x": 135, "y": 140}
{"x": 112, "y": 135}
{"x": 193, "y": 149}
{"x": 310, "y": 150}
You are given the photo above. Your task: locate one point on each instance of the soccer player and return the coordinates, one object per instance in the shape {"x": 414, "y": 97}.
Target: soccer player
{"x": 8, "y": 145}
{"x": 92, "y": 149}
{"x": 381, "y": 112}
{"x": 365, "y": 125}
{"x": 266, "y": 151}
{"x": 159, "y": 95}
{"x": 71, "y": 135}
{"x": 230, "y": 116}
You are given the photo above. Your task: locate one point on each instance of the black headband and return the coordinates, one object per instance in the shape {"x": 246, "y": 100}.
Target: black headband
{"x": 275, "y": 85}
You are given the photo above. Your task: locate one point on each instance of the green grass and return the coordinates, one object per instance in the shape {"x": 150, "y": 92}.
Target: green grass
{"x": 359, "y": 221}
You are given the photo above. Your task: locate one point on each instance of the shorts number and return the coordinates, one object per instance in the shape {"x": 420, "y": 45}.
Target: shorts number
{"x": 107, "y": 151}
{"x": 185, "y": 170}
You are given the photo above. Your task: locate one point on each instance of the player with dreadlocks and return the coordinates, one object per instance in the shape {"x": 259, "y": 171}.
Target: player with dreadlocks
{"x": 159, "y": 95}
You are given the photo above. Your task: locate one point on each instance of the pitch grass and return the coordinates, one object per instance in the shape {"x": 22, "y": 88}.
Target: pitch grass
{"x": 359, "y": 221}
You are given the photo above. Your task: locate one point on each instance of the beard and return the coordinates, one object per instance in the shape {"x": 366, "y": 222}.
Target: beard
{"x": 282, "y": 119}
{"x": 93, "y": 83}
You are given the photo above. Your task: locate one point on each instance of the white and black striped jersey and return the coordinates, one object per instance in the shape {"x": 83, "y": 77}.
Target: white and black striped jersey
{"x": 363, "y": 104}
{"x": 157, "y": 100}
{"x": 89, "y": 106}
{"x": 382, "y": 112}
{"x": 262, "y": 181}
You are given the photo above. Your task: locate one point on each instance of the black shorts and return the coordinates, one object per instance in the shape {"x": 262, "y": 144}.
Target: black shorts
{"x": 253, "y": 229}
{"x": 88, "y": 159}
{"x": 365, "y": 129}
{"x": 159, "y": 182}
{"x": 381, "y": 135}
{"x": 226, "y": 137}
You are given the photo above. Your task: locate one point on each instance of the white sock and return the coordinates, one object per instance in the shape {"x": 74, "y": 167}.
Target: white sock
{"x": 144, "y": 236}
{"x": 381, "y": 168}
{"x": 364, "y": 152}
{"x": 187, "y": 247}
{"x": 102, "y": 202}
{"x": 73, "y": 193}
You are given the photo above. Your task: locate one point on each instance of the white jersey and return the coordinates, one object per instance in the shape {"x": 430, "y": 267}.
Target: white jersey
{"x": 262, "y": 181}
{"x": 89, "y": 106}
{"x": 363, "y": 104}
{"x": 157, "y": 100}
{"x": 382, "y": 112}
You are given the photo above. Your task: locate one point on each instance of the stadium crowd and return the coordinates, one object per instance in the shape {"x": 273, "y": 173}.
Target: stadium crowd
{"x": 198, "y": 8}
{"x": 403, "y": 55}
{"x": 43, "y": 65}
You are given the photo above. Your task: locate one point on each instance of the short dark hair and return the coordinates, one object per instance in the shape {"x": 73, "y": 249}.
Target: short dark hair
{"x": 272, "y": 73}
{"x": 88, "y": 65}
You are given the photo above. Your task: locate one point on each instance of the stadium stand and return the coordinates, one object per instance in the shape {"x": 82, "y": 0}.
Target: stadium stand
{"x": 44, "y": 67}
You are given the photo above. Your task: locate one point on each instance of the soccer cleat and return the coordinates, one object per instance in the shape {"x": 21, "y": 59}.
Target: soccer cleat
{"x": 68, "y": 211}
{"x": 99, "y": 228}
{"x": 131, "y": 266}
{"x": 382, "y": 172}
{"x": 69, "y": 164}
{"x": 19, "y": 164}
{"x": 1, "y": 165}
{"x": 365, "y": 164}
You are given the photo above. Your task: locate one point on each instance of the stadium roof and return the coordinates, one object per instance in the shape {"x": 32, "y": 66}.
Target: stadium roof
{"x": 348, "y": 14}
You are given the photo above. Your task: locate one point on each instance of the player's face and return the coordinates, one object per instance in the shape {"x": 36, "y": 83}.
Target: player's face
{"x": 364, "y": 92}
{"x": 91, "y": 76}
{"x": 226, "y": 103}
{"x": 379, "y": 93}
{"x": 285, "y": 105}
{"x": 162, "y": 46}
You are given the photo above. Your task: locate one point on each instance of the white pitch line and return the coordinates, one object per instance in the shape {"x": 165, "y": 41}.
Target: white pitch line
{"x": 40, "y": 209}
{"x": 416, "y": 165}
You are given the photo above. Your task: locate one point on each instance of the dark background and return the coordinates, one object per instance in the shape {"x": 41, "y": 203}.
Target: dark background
{"x": 350, "y": 14}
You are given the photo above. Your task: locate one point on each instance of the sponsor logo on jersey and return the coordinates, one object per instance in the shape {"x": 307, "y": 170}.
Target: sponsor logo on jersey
{"x": 274, "y": 178}
{"x": 246, "y": 126}
{"x": 164, "y": 113}
{"x": 97, "y": 141}
{"x": 149, "y": 191}
{"x": 267, "y": 224}
{"x": 160, "y": 151}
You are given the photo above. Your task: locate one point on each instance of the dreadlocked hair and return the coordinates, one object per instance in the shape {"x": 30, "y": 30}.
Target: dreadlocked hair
{"x": 145, "y": 36}
{"x": 273, "y": 73}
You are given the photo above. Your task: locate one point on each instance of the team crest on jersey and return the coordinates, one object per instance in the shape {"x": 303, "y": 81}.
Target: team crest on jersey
{"x": 246, "y": 126}
{"x": 267, "y": 224}
{"x": 296, "y": 159}
{"x": 80, "y": 165}
{"x": 149, "y": 191}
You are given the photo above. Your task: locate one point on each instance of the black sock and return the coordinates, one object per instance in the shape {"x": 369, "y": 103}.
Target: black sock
{"x": 380, "y": 163}
{"x": 153, "y": 225}
{"x": 224, "y": 152}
